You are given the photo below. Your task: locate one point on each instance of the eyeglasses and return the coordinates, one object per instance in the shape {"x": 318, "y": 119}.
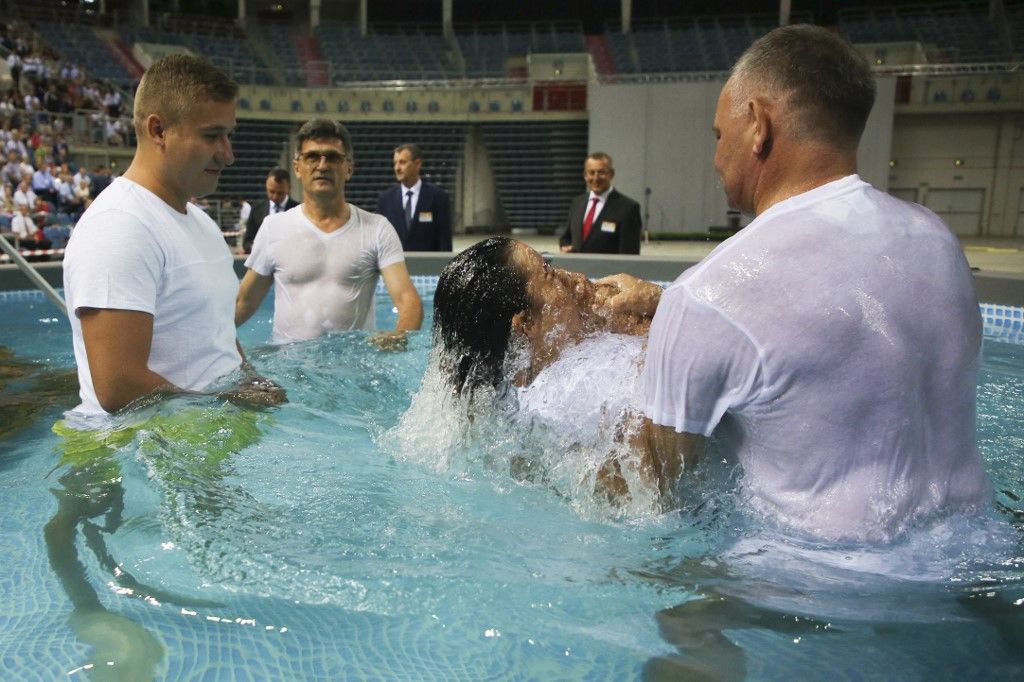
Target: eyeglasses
{"x": 312, "y": 157}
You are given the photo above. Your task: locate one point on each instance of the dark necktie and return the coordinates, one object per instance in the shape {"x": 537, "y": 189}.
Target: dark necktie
{"x": 588, "y": 222}
{"x": 408, "y": 209}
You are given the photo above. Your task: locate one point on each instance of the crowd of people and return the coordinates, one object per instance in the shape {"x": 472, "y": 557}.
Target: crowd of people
{"x": 40, "y": 182}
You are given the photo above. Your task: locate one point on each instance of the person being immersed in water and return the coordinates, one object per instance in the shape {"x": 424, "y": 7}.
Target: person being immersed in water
{"x": 567, "y": 350}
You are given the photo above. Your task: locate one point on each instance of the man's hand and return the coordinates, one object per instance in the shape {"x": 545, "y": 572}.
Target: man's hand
{"x": 565, "y": 248}
{"x": 256, "y": 391}
{"x": 624, "y": 294}
{"x": 395, "y": 341}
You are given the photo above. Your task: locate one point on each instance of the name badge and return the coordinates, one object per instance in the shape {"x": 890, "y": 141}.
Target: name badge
{"x": 426, "y": 217}
{"x": 607, "y": 226}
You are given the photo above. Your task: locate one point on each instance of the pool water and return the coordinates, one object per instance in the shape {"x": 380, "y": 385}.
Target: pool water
{"x": 327, "y": 539}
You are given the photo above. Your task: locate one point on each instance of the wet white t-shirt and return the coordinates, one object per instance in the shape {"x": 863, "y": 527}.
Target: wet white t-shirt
{"x": 589, "y": 389}
{"x": 323, "y": 281}
{"x": 131, "y": 251}
{"x": 833, "y": 344}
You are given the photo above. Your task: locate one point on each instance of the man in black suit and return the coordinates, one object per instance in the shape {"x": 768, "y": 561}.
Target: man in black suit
{"x": 419, "y": 211}
{"x": 279, "y": 186}
{"x": 604, "y": 220}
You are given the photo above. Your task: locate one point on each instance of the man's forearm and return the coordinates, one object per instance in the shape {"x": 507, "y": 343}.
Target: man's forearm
{"x": 410, "y": 315}
{"x": 244, "y": 309}
{"x": 117, "y": 391}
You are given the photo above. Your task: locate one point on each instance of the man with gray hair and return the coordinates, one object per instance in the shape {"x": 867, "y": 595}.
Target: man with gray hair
{"x": 148, "y": 278}
{"x": 832, "y": 345}
{"x": 325, "y": 255}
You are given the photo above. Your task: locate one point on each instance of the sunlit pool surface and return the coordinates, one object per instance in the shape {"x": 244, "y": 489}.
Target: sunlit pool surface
{"x": 304, "y": 543}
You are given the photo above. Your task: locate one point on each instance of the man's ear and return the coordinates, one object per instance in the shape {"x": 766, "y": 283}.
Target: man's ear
{"x": 156, "y": 129}
{"x": 761, "y": 121}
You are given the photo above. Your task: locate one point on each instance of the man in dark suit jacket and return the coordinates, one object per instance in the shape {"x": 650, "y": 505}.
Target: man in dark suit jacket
{"x": 426, "y": 225}
{"x": 603, "y": 220}
{"x": 279, "y": 185}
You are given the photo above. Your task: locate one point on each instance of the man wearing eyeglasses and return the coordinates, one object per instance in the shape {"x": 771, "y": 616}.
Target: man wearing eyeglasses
{"x": 326, "y": 255}
{"x": 603, "y": 220}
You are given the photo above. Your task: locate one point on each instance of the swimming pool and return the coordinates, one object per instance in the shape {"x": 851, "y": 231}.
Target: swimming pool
{"x": 326, "y": 547}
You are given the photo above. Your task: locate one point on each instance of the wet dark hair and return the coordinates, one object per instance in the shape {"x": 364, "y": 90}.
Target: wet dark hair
{"x": 477, "y": 295}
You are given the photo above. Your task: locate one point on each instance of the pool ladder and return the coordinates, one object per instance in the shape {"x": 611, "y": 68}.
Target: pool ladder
{"x": 33, "y": 275}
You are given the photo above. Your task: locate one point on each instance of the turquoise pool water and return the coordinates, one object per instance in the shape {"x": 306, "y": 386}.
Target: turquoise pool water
{"x": 327, "y": 546}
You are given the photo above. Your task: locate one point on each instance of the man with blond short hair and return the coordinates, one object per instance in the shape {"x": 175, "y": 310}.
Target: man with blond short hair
{"x": 148, "y": 277}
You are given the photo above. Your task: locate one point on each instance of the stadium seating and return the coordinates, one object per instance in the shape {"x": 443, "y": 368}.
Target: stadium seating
{"x": 538, "y": 167}
{"x": 374, "y": 143}
{"x": 81, "y": 45}
{"x": 258, "y": 147}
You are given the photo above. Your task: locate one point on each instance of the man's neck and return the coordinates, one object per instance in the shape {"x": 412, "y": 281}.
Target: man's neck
{"x": 328, "y": 214}
{"x": 140, "y": 173}
{"x": 799, "y": 173}
{"x": 409, "y": 185}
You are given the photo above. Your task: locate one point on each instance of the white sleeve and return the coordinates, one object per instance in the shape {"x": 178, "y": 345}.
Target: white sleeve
{"x": 114, "y": 262}
{"x": 261, "y": 258}
{"x": 389, "y": 246}
{"x": 699, "y": 365}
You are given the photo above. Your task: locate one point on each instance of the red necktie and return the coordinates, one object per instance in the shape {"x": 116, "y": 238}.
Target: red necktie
{"x": 589, "y": 220}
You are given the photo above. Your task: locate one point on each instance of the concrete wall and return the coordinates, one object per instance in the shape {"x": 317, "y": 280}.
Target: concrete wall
{"x": 477, "y": 194}
{"x": 660, "y": 137}
{"x": 966, "y": 166}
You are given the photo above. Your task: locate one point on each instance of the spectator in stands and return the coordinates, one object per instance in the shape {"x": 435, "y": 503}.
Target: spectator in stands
{"x": 114, "y": 132}
{"x": 11, "y": 173}
{"x": 99, "y": 180}
{"x": 7, "y": 205}
{"x": 17, "y": 143}
{"x": 81, "y": 175}
{"x": 40, "y": 153}
{"x": 7, "y": 109}
{"x": 15, "y": 66}
{"x": 279, "y": 187}
{"x": 603, "y": 220}
{"x": 25, "y": 197}
{"x": 27, "y": 233}
{"x": 112, "y": 103}
{"x": 326, "y": 255}
{"x": 60, "y": 149}
{"x": 69, "y": 201}
{"x": 799, "y": 336}
{"x": 148, "y": 278}
{"x": 420, "y": 211}
{"x": 44, "y": 184}
{"x": 31, "y": 104}
{"x": 82, "y": 191}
